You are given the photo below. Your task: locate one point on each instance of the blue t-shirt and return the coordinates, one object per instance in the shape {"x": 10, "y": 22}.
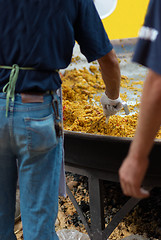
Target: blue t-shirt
{"x": 42, "y": 34}
{"x": 148, "y": 48}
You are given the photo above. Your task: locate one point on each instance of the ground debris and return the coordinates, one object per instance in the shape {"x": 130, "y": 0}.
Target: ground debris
{"x": 142, "y": 223}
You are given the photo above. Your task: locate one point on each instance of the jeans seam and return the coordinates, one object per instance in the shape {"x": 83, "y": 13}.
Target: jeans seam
{"x": 11, "y": 110}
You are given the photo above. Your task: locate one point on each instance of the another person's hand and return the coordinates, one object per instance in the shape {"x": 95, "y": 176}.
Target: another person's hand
{"x": 131, "y": 174}
{"x": 110, "y": 107}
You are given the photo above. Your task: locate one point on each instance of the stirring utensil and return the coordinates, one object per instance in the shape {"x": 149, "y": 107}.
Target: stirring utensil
{"x": 126, "y": 109}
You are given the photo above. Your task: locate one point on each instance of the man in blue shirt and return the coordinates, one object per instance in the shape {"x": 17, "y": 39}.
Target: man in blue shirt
{"x": 37, "y": 39}
{"x": 148, "y": 53}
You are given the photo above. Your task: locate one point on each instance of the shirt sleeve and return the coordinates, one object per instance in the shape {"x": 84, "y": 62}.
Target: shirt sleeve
{"x": 90, "y": 33}
{"x": 148, "y": 50}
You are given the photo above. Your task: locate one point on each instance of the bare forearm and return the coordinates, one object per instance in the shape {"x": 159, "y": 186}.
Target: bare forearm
{"x": 111, "y": 74}
{"x": 149, "y": 118}
{"x": 135, "y": 165}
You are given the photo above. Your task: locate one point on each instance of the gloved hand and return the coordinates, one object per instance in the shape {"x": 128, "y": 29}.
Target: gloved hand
{"x": 110, "y": 107}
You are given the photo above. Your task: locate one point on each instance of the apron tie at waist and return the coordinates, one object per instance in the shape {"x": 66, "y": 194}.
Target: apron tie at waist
{"x": 9, "y": 88}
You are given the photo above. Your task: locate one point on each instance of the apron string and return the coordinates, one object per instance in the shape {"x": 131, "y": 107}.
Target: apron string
{"x": 9, "y": 88}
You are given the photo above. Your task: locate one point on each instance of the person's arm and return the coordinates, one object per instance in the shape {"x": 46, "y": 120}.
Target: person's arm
{"x": 134, "y": 167}
{"x": 110, "y": 69}
{"x": 111, "y": 74}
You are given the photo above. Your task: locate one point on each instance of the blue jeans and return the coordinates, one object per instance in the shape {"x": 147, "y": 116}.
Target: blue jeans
{"x": 29, "y": 149}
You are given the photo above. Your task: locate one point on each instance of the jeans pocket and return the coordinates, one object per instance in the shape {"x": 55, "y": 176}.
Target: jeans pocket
{"x": 41, "y": 133}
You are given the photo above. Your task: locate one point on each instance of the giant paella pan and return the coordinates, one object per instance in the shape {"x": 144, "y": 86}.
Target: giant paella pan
{"x": 89, "y": 141}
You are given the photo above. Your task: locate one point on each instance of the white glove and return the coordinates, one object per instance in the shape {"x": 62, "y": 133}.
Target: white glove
{"x": 110, "y": 107}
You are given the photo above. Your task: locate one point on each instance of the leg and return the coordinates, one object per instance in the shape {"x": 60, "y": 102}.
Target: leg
{"x": 39, "y": 187}
{"x": 8, "y": 179}
{"x": 39, "y": 161}
{"x": 96, "y": 208}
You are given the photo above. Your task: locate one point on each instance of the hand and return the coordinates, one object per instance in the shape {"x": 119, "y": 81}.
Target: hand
{"x": 110, "y": 107}
{"x": 131, "y": 174}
